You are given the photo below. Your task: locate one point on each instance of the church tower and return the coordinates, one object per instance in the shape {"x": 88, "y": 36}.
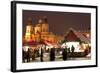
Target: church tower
{"x": 38, "y": 27}
{"x": 29, "y": 31}
{"x": 42, "y": 26}
{"x": 45, "y": 26}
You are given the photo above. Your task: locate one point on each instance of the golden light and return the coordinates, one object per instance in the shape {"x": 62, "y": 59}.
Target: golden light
{"x": 28, "y": 33}
{"x": 25, "y": 48}
{"x": 75, "y": 44}
{"x": 87, "y": 35}
{"x": 83, "y": 46}
{"x": 28, "y": 28}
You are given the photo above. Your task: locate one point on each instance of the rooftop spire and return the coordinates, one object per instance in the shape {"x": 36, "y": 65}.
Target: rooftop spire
{"x": 29, "y": 21}
{"x": 40, "y": 21}
{"x": 45, "y": 19}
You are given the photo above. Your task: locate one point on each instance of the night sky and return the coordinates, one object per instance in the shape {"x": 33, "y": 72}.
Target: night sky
{"x": 59, "y": 22}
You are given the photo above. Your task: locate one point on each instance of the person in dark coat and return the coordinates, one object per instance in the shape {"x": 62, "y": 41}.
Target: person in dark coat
{"x": 52, "y": 54}
{"x": 33, "y": 56}
{"x": 41, "y": 56}
{"x": 72, "y": 49}
{"x": 64, "y": 54}
{"x": 24, "y": 55}
{"x": 68, "y": 50}
{"x": 28, "y": 55}
{"x": 38, "y": 53}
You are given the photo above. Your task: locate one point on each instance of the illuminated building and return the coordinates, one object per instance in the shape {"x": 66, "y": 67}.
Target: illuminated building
{"x": 76, "y": 39}
{"x": 29, "y": 30}
{"x": 40, "y": 32}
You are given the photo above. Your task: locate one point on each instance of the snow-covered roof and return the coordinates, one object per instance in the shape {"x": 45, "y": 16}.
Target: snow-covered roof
{"x": 79, "y": 35}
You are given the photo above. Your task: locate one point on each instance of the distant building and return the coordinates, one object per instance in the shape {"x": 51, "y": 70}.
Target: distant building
{"x": 73, "y": 35}
{"x": 76, "y": 39}
{"x": 40, "y": 32}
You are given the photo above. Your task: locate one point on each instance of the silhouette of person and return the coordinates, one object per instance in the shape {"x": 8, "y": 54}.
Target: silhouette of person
{"x": 41, "y": 57}
{"x": 69, "y": 50}
{"x": 28, "y": 55}
{"x": 33, "y": 55}
{"x": 52, "y": 54}
{"x": 72, "y": 49}
{"x": 38, "y": 52}
{"x": 24, "y": 55}
{"x": 64, "y": 54}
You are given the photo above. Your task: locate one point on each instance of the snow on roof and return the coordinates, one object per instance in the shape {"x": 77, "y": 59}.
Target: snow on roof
{"x": 79, "y": 35}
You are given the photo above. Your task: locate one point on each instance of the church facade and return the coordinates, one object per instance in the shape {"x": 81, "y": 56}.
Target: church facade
{"x": 40, "y": 32}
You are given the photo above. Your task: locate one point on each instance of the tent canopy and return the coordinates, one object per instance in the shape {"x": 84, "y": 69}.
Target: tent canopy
{"x": 73, "y": 35}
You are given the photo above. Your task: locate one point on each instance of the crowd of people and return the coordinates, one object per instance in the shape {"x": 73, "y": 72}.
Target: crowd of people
{"x": 30, "y": 54}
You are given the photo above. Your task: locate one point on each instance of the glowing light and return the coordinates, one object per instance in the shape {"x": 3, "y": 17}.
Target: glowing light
{"x": 25, "y": 48}
{"x": 28, "y": 28}
{"x": 48, "y": 47}
{"x": 87, "y": 35}
{"x": 69, "y": 45}
{"x": 28, "y": 33}
{"x": 84, "y": 46}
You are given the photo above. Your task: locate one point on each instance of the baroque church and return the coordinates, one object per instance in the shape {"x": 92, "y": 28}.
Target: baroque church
{"x": 40, "y": 32}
